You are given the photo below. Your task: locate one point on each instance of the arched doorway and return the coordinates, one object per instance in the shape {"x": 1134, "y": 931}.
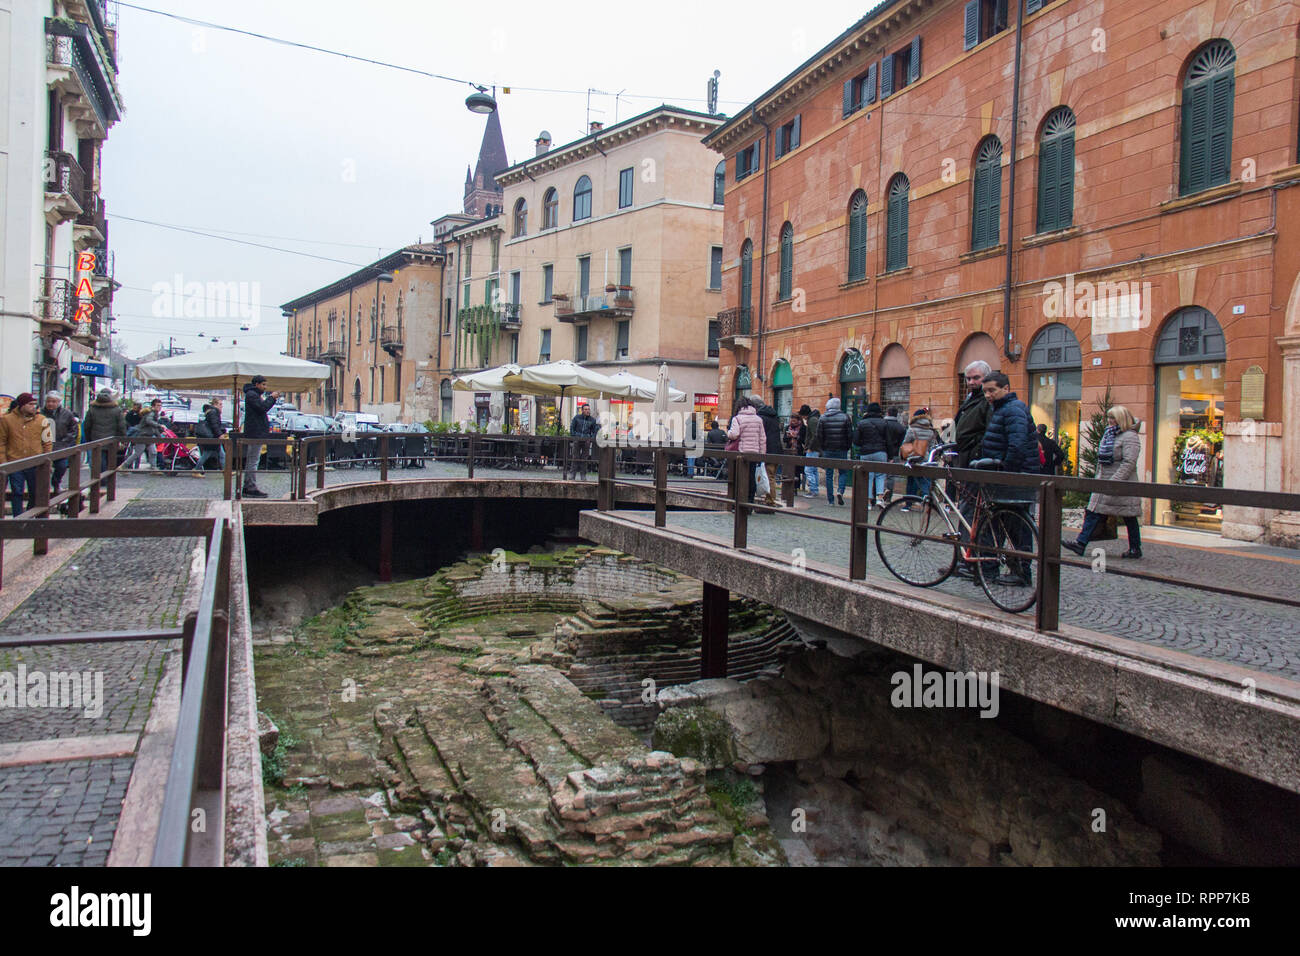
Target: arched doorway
{"x": 356, "y": 394}
{"x": 980, "y": 347}
{"x": 1190, "y": 353}
{"x": 896, "y": 380}
{"x": 1055, "y": 366}
{"x": 853, "y": 384}
{"x": 783, "y": 391}
{"x": 744, "y": 384}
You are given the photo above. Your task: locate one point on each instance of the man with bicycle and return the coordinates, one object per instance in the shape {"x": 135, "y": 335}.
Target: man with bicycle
{"x": 968, "y": 433}
{"x": 1011, "y": 439}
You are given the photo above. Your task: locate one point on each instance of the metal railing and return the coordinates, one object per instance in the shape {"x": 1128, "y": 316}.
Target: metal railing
{"x": 733, "y": 322}
{"x": 1047, "y": 492}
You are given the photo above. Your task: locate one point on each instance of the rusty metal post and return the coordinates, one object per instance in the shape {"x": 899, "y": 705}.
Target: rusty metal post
{"x": 227, "y": 471}
{"x": 386, "y": 541}
{"x": 476, "y": 521}
{"x": 1049, "y": 548}
{"x": 716, "y": 627}
{"x": 42, "y": 501}
{"x": 320, "y": 463}
{"x": 300, "y": 471}
{"x": 661, "y": 488}
{"x": 469, "y": 455}
{"x": 96, "y": 456}
{"x": 383, "y": 458}
{"x": 740, "y": 537}
{"x": 74, "y": 485}
{"x": 858, "y": 525}
{"x": 110, "y": 493}
{"x": 605, "y": 479}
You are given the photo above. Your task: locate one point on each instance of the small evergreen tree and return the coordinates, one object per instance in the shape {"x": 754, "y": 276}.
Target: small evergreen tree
{"x": 1091, "y": 436}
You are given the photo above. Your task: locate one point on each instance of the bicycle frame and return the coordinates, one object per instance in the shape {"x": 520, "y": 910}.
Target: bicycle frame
{"x": 945, "y": 506}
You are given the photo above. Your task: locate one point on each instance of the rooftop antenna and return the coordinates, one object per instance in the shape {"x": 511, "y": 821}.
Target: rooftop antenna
{"x": 591, "y": 90}
{"x": 713, "y": 92}
{"x": 616, "y": 96}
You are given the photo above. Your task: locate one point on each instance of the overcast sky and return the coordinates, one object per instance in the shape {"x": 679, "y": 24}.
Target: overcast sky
{"x": 230, "y": 134}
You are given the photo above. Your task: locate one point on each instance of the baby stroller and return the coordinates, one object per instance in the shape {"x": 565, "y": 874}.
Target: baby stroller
{"x": 175, "y": 455}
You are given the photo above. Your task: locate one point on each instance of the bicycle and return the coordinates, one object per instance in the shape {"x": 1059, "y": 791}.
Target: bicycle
{"x": 994, "y": 526}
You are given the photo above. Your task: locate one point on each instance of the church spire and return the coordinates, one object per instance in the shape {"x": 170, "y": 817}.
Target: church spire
{"x": 481, "y": 190}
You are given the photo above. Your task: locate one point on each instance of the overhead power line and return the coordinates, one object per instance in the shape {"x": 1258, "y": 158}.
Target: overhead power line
{"x": 242, "y": 242}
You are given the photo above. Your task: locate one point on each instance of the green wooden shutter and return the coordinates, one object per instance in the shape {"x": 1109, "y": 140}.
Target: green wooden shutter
{"x": 1065, "y": 197}
{"x": 794, "y": 133}
{"x": 1049, "y": 185}
{"x": 1219, "y": 155}
{"x": 849, "y": 104}
{"x": 858, "y": 240}
{"x": 914, "y": 65}
{"x": 1196, "y": 135}
{"x": 896, "y": 248}
{"x": 887, "y": 76}
{"x": 972, "y": 37}
{"x": 1033, "y": 6}
{"x": 869, "y": 94}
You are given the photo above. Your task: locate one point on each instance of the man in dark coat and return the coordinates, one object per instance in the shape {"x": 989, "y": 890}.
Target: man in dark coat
{"x": 67, "y": 431}
{"x": 582, "y": 429}
{"x": 812, "y": 448}
{"x": 1011, "y": 439}
{"x": 775, "y": 446}
{"x": 835, "y": 432}
{"x": 972, "y": 416}
{"x": 257, "y": 403}
{"x": 215, "y": 428}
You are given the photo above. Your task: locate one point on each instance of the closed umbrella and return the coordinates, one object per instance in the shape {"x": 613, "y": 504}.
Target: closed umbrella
{"x": 643, "y": 389}
{"x": 661, "y": 403}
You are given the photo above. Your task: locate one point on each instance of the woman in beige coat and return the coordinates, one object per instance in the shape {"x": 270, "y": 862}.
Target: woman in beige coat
{"x": 1117, "y": 458}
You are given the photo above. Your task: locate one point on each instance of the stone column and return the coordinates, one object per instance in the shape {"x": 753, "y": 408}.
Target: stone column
{"x": 1284, "y": 529}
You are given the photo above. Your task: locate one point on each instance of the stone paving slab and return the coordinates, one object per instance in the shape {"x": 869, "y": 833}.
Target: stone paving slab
{"x": 1238, "y": 630}
{"x": 61, "y": 814}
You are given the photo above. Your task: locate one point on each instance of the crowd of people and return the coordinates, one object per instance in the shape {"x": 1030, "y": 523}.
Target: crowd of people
{"x": 992, "y": 426}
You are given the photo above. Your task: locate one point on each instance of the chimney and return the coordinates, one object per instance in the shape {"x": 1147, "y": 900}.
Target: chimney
{"x": 543, "y": 142}
{"x": 596, "y": 126}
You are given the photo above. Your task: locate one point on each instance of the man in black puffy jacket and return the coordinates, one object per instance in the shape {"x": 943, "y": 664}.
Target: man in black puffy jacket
{"x": 1011, "y": 439}
{"x": 835, "y": 432}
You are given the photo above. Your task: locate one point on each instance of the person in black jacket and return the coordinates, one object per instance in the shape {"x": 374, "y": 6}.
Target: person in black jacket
{"x": 872, "y": 439}
{"x": 212, "y": 427}
{"x": 835, "y": 432}
{"x": 582, "y": 429}
{"x": 1011, "y": 439}
{"x": 257, "y": 403}
{"x": 775, "y": 446}
{"x": 1053, "y": 452}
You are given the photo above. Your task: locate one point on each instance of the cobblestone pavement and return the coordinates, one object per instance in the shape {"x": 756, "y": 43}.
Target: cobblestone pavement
{"x": 61, "y": 814}
{"x": 65, "y": 813}
{"x": 1241, "y": 631}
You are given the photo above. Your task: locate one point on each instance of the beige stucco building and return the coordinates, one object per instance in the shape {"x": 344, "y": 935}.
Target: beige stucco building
{"x": 608, "y": 251}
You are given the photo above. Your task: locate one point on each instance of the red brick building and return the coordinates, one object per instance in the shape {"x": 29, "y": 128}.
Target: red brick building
{"x": 878, "y": 236}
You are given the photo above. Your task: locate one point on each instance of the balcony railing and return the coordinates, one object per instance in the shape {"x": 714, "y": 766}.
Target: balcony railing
{"x": 63, "y": 174}
{"x": 732, "y": 323}
{"x": 73, "y": 47}
{"x": 334, "y": 351}
{"x": 59, "y": 305}
{"x": 93, "y": 216}
{"x": 614, "y": 304}
{"x": 390, "y": 338}
{"x": 311, "y": 353}
{"x": 510, "y": 319}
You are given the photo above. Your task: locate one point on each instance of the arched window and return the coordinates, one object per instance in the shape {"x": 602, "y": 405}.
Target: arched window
{"x": 746, "y": 283}
{"x": 719, "y": 182}
{"x": 521, "y": 218}
{"x": 582, "y": 199}
{"x": 896, "y": 228}
{"x": 743, "y": 386}
{"x": 783, "y": 391}
{"x": 858, "y": 236}
{"x": 853, "y": 384}
{"x": 550, "y": 209}
{"x": 1056, "y": 171}
{"x": 787, "y": 262}
{"x": 986, "y": 210}
{"x": 1054, "y": 362}
{"x": 1206, "y": 153}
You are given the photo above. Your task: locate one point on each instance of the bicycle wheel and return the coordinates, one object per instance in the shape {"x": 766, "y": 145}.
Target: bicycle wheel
{"x": 1006, "y": 579}
{"x": 919, "y": 562}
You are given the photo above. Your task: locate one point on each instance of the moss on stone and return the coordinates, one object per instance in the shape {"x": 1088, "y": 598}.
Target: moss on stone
{"x": 695, "y": 732}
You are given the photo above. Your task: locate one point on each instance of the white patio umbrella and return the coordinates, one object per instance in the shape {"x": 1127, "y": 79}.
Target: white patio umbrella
{"x": 643, "y": 389}
{"x": 489, "y": 380}
{"x": 233, "y": 367}
{"x": 661, "y": 401}
{"x": 563, "y": 378}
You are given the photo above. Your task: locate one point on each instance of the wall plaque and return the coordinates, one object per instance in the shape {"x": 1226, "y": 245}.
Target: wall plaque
{"x": 1252, "y": 393}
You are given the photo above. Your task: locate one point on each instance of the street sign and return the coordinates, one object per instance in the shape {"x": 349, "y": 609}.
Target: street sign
{"x": 97, "y": 369}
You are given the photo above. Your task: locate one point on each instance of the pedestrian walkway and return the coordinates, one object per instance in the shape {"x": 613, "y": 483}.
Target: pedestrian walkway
{"x": 54, "y": 808}
{"x": 1243, "y": 631}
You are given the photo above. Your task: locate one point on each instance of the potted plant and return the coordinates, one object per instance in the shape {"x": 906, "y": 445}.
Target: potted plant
{"x": 610, "y": 287}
